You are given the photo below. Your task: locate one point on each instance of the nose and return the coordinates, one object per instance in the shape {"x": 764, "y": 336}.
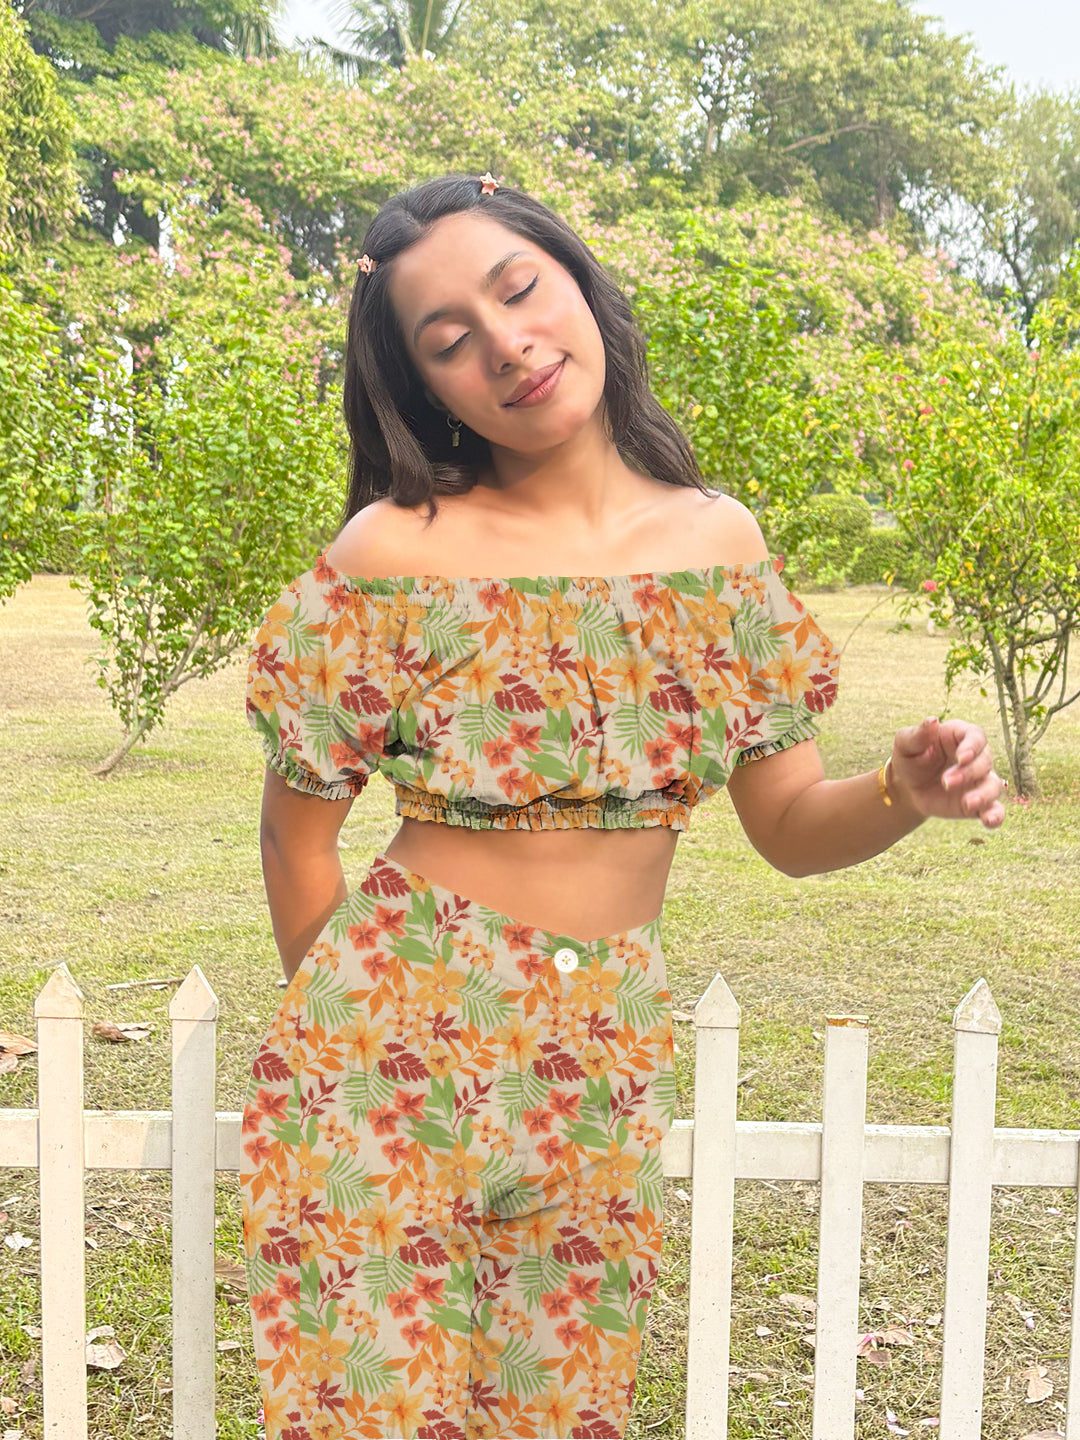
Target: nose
{"x": 509, "y": 345}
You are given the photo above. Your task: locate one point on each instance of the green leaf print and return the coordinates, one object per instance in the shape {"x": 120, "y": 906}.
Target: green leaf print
{"x": 309, "y": 1282}
{"x": 367, "y": 1371}
{"x": 452, "y": 1320}
{"x": 440, "y": 1104}
{"x": 600, "y": 633}
{"x": 364, "y": 1090}
{"x": 383, "y": 1273}
{"x": 482, "y": 1004}
{"x": 635, "y": 996}
{"x": 432, "y": 1135}
{"x": 635, "y": 726}
{"x": 288, "y": 1133}
{"x": 650, "y": 1189}
{"x": 521, "y": 1090}
{"x": 590, "y": 1136}
{"x": 346, "y": 1186}
{"x": 753, "y": 633}
{"x": 479, "y": 724}
{"x": 538, "y": 1275}
{"x": 498, "y": 1178}
{"x": 522, "y": 1368}
{"x": 597, "y": 1100}
{"x": 326, "y": 1002}
{"x": 416, "y": 952}
{"x": 605, "y": 1318}
{"x": 663, "y": 1089}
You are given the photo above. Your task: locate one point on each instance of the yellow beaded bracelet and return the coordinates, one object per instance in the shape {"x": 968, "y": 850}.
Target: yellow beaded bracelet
{"x": 883, "y": 781}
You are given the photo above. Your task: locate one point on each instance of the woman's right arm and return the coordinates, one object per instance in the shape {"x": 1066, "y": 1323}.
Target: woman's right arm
{"x": 298, "y": 837}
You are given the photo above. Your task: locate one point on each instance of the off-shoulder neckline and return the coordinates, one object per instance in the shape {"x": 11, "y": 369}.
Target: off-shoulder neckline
{"x": 561, "y": 582}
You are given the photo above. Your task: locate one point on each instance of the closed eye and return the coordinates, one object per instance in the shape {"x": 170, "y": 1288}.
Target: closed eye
{"x": 512, "y": 299}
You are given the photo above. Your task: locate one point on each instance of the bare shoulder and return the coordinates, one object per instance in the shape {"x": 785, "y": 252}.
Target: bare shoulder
{"x": 729, "y": 527}
{"x": 381, "y": 539}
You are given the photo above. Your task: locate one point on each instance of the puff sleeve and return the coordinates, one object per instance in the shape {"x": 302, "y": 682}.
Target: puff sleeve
{"x": 318, "y": 688}
{"x": 790, "y": 672}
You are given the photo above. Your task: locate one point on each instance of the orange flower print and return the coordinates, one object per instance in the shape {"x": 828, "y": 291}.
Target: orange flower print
{"x": 792, "y": 676}
{"x": 364, "y": 1042}
{"x": 459, "y": 1172}
{"x": 637, "y": 677}
{"x": 321, "y": 1355}
{"x": 326, "y": 677}
{"x": 597, "y": 987}
{"x": 551, "y": 1151}
{"x": 384, "y": 1120}
{"x": 537, "y": 1121}
{"x": 311, "y": 1175}
{"x": 556, "y": 1302}
{"x": 558, "y": 1411}
{"x": 480, "y": 676}
{"x": 403, "y": 1412}
{"x": 382, "y": 1226}
{"x": 518, "y": 1041}
{"x": 498, "y": 752}
{"x": 410, "y": 1106}
{"x": 441, "y": 991}
{"x": 525, "y": 737}
{"x": 586, "y": 1291}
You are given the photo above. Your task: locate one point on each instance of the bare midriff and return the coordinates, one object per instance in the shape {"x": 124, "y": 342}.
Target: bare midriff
{"x": 583, "y": 883}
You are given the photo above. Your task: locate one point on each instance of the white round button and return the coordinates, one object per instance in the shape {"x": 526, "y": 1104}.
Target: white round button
{"x": 566, "y": 959}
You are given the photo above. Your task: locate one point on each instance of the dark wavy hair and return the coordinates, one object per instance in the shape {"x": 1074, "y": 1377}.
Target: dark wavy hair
{"x": 400, "y": 444}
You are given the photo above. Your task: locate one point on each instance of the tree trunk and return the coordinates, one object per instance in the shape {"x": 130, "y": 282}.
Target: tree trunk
{"x": 109, "y": 764}
{"x": 1022, "y": 759}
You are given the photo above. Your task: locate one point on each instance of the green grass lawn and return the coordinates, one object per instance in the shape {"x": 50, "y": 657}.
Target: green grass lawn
{"x": 157, "y": 867}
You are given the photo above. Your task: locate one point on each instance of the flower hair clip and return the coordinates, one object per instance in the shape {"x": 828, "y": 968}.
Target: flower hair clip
{"x": 488, "y": 184}
{"x": 367, "y": 264}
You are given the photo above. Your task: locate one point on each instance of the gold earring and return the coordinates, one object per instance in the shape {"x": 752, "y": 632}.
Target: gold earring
{"x": 455, "y": 426}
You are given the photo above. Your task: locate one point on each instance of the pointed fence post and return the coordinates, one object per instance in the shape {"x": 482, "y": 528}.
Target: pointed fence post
{"x": 58, "y": 1011}
{"x": 193, "y": 1011}
{"x": 712, "y": 1220}
{"x": 976, "y": 1026}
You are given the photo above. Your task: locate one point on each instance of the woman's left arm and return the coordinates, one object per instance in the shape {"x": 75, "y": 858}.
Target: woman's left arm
{"x": 804, "y": 824}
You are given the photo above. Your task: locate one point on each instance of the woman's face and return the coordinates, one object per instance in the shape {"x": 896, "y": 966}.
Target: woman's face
{"x": 482, "y": 309}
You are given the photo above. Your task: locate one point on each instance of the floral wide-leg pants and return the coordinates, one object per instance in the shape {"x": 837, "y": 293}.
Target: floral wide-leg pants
{"x": 451, "y": 1183}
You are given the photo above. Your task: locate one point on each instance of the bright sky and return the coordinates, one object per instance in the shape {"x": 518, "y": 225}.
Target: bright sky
{"x": 1038, "y": 40}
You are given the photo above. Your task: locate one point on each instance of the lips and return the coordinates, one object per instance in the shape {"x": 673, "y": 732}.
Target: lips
{"x": 531, "y": 383}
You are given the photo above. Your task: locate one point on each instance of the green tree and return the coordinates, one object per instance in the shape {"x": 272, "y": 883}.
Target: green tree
{"x": 388, "y": 34}
{"x": 210, "y": 495}
{"x": 1017, "y": 229}
{"x": 988, "y": 490}
{"x": 37, "y": 172}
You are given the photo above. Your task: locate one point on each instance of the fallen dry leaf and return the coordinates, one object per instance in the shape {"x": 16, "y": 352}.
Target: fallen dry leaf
{"x": 800, "y": 1302}
{"x": 17, "y": 1044}
{"x": 1043, "y": 1435}
{"x": 893, "y": 1335}
{"x": 106, "y": 1030}
{"x": 230, "y": 1272}
{"x": 104, "y": 1357}
{"x": 1038, "y": 1386}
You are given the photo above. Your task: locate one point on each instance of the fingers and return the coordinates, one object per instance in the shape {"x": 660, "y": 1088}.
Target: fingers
{"x": 916, "y": 739}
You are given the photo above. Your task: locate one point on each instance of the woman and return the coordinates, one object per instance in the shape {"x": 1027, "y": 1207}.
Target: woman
{"x": 453, "y": 1211}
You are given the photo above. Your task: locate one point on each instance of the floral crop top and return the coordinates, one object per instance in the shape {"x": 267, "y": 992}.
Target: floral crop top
{"x": 550, "y": 702}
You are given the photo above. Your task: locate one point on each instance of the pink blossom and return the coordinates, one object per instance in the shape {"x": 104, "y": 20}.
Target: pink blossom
{"x": 929, "y": 585}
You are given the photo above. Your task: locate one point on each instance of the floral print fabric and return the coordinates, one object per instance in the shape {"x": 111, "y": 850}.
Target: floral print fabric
{"x": 451, "y": 1184}
{"x": 540, "y": 703}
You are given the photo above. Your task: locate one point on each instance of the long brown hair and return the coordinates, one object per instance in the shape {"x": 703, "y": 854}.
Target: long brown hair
{"x": 400, "y": 444}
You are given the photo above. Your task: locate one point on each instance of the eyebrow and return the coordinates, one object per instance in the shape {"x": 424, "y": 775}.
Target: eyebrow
{"x": 488, "y": 281}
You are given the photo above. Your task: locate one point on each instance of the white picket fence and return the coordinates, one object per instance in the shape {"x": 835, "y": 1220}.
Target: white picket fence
{"x": 841, "y": 1154}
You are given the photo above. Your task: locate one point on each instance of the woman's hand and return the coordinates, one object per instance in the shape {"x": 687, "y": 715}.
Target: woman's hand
{"x": 945, "y": 769}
